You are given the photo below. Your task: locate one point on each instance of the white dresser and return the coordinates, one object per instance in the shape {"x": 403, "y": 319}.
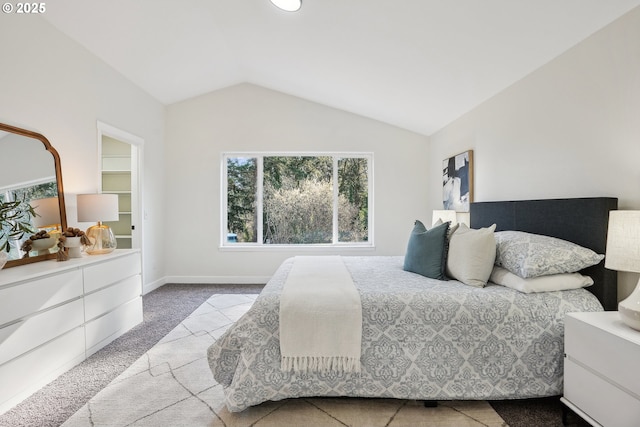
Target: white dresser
{"x": 53, "y": 315}
{"x": 601, "y": 369}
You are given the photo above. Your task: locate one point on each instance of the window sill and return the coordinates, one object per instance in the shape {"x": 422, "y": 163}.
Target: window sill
{"x": 295, "y": 248}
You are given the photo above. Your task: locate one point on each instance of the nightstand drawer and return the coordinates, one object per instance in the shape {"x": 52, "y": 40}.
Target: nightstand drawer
{"x": 605, "y": 403}
{"x": 606, "y": 346}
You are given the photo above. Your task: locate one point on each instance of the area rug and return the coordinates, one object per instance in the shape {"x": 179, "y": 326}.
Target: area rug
{"x": 171, "y": 385}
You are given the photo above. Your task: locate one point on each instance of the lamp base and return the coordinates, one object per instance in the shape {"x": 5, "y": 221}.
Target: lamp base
{"x": 102, "y": 240}
{"x": 629, "y": 308}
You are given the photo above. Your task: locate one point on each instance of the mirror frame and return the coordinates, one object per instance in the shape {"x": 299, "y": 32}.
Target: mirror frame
{"x": 61, "y": 204}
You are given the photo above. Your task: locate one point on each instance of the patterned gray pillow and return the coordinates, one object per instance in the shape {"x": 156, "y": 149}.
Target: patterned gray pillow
{"x": 533, "y": 255}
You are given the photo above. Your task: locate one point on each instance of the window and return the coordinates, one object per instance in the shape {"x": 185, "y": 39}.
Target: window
{"x": 297, "y": 199}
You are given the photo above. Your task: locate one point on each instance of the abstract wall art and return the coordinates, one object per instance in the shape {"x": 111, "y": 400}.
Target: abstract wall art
{"x": 457, "y": 182}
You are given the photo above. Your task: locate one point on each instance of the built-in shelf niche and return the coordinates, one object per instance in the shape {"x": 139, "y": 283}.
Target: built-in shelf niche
{"x": 117, "y": 172}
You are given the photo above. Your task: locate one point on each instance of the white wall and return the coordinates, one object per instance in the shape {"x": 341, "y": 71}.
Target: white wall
{"x": 252, "y": 118}
{"x": 51, "y": 85}
{"x": 570, "y": 129}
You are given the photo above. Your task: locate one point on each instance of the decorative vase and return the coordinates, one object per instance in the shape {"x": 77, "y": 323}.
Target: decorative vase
{"x": 43, "y": 246}
{"x": 3, "y": 259}
{"x": 74, "y": 246}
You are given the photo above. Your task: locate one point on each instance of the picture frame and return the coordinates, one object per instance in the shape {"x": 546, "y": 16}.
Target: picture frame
{"x": 457, "y": 182}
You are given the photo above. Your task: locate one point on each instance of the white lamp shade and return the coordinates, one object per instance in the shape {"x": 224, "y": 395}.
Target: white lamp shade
{"x": 47, "y": 212}
{"x": 444, "y": 215}
{"x": 97, "y": 207}
{"x": 623, "y": 241}
{"x": 464, "y": 218}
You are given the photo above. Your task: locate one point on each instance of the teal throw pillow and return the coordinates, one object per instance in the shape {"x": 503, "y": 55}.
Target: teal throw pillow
{"x": 427, "y": 251}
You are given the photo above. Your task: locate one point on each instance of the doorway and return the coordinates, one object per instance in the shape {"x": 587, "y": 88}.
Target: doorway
{"x": 119, "y": 154}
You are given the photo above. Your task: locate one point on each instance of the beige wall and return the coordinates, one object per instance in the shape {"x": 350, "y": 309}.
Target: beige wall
{"x": 51, "y": 85}
{"x": 570, "y": 129}
{"x": 252, "y": 118}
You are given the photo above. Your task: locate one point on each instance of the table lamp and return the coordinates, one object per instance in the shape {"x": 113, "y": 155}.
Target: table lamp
{"x": 99, "y": 207}
{"x": 623, "y": 254}
{"x": 444, "y": 216}
{"x": 450, "y": 215}
{"x": 47, "y": 212}
{"x": 48, "y": 218}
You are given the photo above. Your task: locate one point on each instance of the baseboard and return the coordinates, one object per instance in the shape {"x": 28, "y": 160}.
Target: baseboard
{"x": 231, "y": 280}
{"x": 148, "y": 287}
{"x": 214, "y": 280}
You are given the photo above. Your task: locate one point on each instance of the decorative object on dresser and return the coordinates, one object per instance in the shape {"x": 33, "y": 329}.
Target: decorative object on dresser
{"x": 41, "y": 242}
{"x": 623, "y": 254}
{"x": 34, "y": 171}
{"x": 99, "y": 207}
{"x": 601, "y": 378}
{"x": 74, "y": 240}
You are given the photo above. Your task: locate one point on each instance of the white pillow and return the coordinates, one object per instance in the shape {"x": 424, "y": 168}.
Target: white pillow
{"x": 531, "y": 255}
{"x": 552, "y": 282}
{"x": 471, "y": 255}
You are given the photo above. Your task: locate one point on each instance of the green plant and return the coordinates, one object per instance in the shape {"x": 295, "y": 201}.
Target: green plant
{"x": 15, "y": 221}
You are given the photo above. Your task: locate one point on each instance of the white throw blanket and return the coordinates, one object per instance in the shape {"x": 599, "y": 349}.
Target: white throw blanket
{"x": 320, "y": 317}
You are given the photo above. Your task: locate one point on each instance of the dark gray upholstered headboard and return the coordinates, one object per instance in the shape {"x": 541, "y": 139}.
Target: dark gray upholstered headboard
{"x": 582, "y": 221}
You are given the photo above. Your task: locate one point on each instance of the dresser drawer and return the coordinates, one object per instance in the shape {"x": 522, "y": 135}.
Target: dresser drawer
{"x": 593, "y": 346}
{"x": 109, "y": 298}
{"x": 54, "y": 314}
{"x": 101, "y": 331}
{"x": 26, "y": 298}
{"x": 604, "y": 402}
{"x": 22, "y": 376}
{"x": 100, "y": 275}
{"x": 25, "y": 335}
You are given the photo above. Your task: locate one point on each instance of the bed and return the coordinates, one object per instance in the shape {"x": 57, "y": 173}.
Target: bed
{"x": 429, "y": 339}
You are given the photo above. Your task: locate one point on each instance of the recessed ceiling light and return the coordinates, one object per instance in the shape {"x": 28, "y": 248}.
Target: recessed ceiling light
{"x": 288, "y": 5}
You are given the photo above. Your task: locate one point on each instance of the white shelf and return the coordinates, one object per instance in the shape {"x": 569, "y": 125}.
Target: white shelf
{"x": 118, "y": 176}
{"x": 115, "y": 172}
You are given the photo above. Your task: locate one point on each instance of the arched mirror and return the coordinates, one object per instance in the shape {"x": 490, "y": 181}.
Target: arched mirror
{"x": 30, "y": 182}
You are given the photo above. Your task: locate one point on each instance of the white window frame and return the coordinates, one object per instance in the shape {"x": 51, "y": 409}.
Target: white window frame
{"x": 259, "y": 245}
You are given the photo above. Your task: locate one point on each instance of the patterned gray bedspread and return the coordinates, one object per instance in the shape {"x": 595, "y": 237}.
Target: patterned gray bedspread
{"x": 421, "y": 339}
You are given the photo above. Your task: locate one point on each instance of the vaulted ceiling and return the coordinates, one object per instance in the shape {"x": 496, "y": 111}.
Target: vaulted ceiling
{"x": 416, "y": 64}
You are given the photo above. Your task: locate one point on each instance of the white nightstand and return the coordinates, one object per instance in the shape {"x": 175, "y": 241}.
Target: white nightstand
{"x": 602, "y": 369}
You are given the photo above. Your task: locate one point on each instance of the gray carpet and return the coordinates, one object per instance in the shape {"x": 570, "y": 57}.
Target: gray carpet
{"x": 164, "y": 309}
